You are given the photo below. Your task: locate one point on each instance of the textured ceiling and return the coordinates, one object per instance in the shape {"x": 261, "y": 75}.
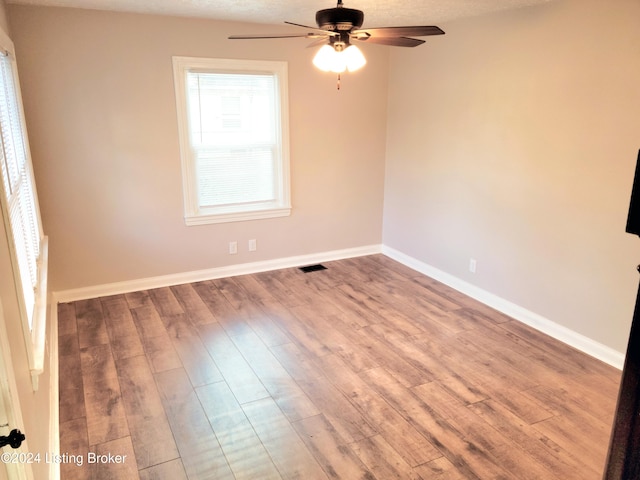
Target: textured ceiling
{"x": 377, "y": 12}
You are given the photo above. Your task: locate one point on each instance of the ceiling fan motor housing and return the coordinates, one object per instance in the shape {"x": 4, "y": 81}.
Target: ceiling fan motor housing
{"x": 339, "y": 19}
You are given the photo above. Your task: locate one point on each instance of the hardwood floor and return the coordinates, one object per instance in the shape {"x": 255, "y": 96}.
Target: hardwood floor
{"x": 364, "y": 370}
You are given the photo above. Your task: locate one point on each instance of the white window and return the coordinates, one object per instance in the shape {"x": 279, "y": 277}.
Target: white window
{"x": 20, "y": 210}
{"x": 233, "y": 125}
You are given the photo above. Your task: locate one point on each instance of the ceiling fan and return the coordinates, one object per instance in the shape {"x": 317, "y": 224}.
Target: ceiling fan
{"x": 338, "y": 27}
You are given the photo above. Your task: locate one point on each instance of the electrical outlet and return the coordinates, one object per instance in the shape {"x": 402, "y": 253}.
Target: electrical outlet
{"x": 253, "y": 246}
{"x": 233, "y": 247}
{"x": 472, "y": 265}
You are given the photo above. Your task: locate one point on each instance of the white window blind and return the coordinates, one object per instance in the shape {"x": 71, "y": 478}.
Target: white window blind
{"x": 231, "y": 118}
{"x": 18, "y": 188}
{"x": 233, "y": 131}
{"x": 18, "y": 201}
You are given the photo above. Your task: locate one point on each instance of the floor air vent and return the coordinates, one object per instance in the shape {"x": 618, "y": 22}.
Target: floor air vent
{"x": 313, "y": 268}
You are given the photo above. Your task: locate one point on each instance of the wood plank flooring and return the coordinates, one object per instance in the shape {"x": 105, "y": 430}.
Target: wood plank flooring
{"x": 366, "y": 370}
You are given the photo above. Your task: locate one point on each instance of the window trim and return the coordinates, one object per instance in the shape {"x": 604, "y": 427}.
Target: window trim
{"x": 193, "y": 214}
{"x": 34, "y": 334}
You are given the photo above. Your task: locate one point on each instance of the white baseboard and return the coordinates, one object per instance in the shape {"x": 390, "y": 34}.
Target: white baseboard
{"x": 553, "y": 329}
{"x": 210, "y": 274}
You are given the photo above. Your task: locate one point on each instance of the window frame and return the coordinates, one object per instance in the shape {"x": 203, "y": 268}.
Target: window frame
{"x": 34, "y": 324}
{"x": 193, "y": 213}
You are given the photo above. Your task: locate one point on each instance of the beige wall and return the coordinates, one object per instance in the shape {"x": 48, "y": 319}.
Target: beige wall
{"x": 4, "y": 22}
{"x": 100, "y": 107}
{"x": 35, "y": 406}
{"x": 513, "y": 140}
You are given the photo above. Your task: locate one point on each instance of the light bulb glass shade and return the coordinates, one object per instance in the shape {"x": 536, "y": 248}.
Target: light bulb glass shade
{"x": 353, "y": 58}
{"x": 329, "y": 60}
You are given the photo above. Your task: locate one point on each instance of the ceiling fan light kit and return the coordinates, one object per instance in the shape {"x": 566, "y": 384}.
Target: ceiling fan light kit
{"x": 338, "y": 26}
{"x": 338, "y": 59}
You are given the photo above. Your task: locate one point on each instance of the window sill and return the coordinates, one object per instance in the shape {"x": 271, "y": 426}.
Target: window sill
{"x": 39, "y": 329}
{"x": 204, "y": 219}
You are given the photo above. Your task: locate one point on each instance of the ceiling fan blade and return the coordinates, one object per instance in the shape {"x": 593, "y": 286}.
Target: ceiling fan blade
{"x": 418, "y": 31}
{"x": 315, "y": 29}
{"x": 275, "y": 35}
{"x": 393, "y": 41}
{"x": 319, "y": 41}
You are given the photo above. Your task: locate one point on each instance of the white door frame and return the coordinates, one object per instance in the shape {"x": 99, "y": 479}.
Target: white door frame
{"x": 10, "y": 411}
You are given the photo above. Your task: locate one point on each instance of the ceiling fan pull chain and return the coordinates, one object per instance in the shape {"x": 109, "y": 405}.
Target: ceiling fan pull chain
{"x": 338, "y": 83}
